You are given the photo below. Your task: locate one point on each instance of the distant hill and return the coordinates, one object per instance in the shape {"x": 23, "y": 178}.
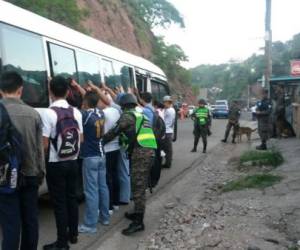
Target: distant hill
{"x": 234, "y": 77}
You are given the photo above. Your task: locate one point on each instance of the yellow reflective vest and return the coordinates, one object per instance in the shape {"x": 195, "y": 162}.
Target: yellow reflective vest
{"x": 202, "y": 115}
{"x": 145, "y": 135}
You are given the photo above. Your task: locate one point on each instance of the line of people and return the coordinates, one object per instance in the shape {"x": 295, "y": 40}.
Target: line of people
{"x": 202, "y": 122}
{"x": 116, "y": 137}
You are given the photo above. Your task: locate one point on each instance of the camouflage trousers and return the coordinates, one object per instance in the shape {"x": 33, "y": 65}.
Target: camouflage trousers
{"x": 235, "y": 126}
{"x": 141, "y": 160}
{"x": 264, "y": 128}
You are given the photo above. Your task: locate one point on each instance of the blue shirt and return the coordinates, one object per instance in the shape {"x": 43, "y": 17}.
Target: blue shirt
{"x": 264, "y": 106}
{"x": 93, "y": 129}
{"x": 148, "y": 111}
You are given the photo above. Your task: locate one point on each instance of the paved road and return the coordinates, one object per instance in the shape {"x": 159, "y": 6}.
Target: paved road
{"x": 183, "y": 160}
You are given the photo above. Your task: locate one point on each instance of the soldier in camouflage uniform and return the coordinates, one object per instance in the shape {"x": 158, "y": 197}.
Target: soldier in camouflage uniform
{"x": 233, "y": 121}
{"x": 137, "y": 136}
{"x": 263, "y": 113}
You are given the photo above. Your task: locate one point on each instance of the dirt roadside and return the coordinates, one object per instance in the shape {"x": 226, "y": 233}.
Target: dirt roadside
{"x": 198, "y": 216}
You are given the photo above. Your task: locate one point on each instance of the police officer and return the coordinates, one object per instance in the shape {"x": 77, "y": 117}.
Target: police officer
{"x": 137, "y": 136}
{"x": 202, "y": 119}
{"x": 233, "y": 121}
{"x": 263, "y": 114}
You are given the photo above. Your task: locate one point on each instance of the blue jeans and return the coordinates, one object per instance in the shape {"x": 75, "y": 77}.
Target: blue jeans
{"x": 124, "y": 176}
{"x": 19, "y": 213}
{"x": 10, "y": 221}
{"x": 95, "y": 190}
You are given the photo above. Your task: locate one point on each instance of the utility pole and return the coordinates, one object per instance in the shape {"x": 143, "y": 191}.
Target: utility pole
{"x": 268, "y": 44}
{"x": 248, "y": 96}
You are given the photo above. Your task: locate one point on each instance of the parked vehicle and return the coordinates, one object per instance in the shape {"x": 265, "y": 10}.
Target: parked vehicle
{"x": 191, "y": 109}
{"x": 220, "y": 111}
{"x": 221, "y": 102}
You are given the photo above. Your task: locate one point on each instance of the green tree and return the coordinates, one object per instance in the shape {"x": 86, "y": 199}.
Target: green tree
{"x": 295, "y": 46}
{"x": 156, "y": 12}
{"x": 169, "y": 57}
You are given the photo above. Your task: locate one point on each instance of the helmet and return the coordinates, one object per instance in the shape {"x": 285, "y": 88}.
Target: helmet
{"x": 202, "y": 101}
{"x": 118, "y": 98}
{"x": 167, "y": 98}
{"x": 127, "y": 99}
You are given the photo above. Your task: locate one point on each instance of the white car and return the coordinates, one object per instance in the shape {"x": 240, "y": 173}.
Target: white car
{"x": 191, "y": 109}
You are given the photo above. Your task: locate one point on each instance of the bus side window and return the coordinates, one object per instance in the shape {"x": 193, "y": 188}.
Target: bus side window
{"x": 88, "y": 68}
{"x": 62, "y": 61}
{"x": 123, "y": 75}
{"x": 163, "y": 91}
{"x": 159, "y": 90}
{"x": 108, "y": 72}
{"x": 155, "y": 90}
{"x": 23, "y": 52}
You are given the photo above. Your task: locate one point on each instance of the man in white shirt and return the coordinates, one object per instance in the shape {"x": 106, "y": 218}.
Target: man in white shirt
{"x": 112, "y": 151}
{"x": 119, "y": 163}
{"x": 169, "y": 118}
{"x": 62, "y": 169}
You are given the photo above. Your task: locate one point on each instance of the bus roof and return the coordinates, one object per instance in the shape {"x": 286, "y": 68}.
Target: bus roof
{"x": 27, "y": 20}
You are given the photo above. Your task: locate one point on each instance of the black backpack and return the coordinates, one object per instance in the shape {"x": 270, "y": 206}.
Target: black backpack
{"x": 10, "y": 153}
{"x": 67, "y": 130}
{"x": 159, "y": 127}
{"x": 159, "y": 130}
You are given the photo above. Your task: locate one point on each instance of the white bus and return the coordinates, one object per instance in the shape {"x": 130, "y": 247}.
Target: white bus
{"x": 39, "y": 48}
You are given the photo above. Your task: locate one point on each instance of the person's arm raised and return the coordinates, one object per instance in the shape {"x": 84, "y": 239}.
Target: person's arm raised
{"x": 110, "y": 92}
{"x": 80, "y": 89}
{"x": 103, "y": 97}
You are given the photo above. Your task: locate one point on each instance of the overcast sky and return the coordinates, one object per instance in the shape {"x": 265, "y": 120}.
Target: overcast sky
{"x": 219, "y": 30}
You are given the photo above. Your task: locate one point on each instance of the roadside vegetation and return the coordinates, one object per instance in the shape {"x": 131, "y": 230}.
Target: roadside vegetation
{"x": 257, "y": 158}
{"x": 259, "y": 164}
{"x": 258, "y": 181}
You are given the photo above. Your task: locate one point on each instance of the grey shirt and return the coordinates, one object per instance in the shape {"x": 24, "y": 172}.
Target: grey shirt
{"x": 28, "y": 122}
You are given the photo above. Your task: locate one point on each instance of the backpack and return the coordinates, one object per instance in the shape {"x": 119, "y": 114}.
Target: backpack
{"x": 159, "y": 127}
{"x": 155, "y": 171}
{"x": 66, "y": 141}
{"x": 10, "y": 153}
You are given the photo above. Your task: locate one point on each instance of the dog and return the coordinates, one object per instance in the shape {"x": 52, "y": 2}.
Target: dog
{"x": 283, "y": 128}
{"x": 245, "y": 131}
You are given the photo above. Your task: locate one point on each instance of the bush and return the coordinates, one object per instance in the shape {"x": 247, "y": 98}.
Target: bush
{"x": 258, "y": 181}
{"x": 267, "y": 158}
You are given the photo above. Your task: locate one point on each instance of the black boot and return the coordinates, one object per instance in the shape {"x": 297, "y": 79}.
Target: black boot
{"x": 204, "y": 148}
{"x": 224, "y": 140}
{"x": 233, "y": 141}
{"x": 55, "y": 246}
{"x": 263, "y": 146}
{"x": 136, "y": 226}
{"x": 196, "y": 141}
{"x": 130, "y": 216}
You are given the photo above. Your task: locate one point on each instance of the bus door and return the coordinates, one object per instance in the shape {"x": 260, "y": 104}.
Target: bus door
{"x": 141, "y": 83}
